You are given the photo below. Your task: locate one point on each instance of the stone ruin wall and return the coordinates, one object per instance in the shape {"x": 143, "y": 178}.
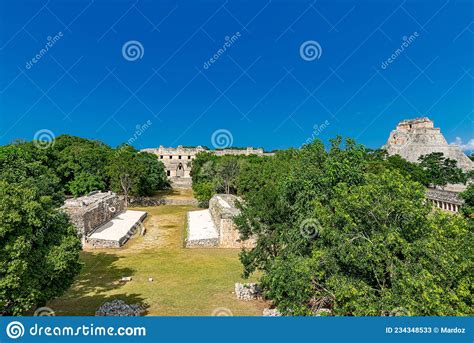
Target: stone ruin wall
{"x": 178, "y": 160}
{"x": 96, "y": 243}
{"x": 93, "y": 210}
{"x": 414, "y": 138}
{"x": 236, "y": 152}
{"x": 223, "y": 210}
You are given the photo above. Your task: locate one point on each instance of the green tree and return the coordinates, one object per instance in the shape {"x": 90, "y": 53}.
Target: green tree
{"x": 39, "y": 248}
{"x": 203, "y": 191}
{"x": 203, "y": 173}
{"x": 468, "y": 196}
{"x": 227, "y": 173}
{"x": 153, "y": 174}
{"x": 81, "y": 164}
{"x": 84, "y": 183}
{"x": 440, "y": 170}
{"x": 124, "y": 171}
{"x": 24, "y": 162}
{"x": 134, "y": 173}
{"x": 408, "y": 169}
{"x": 335, "y": 232}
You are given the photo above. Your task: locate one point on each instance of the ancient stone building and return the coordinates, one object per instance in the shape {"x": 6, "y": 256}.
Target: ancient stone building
{"x": 93, "y": 210}
{"x": 445, "y": 200}
{"x": 101, "y": 219}
{"x": 178, "y": 160}
{"x": 214, "y": 227}
{"x": 416, "y": 137}
{"x": 223, "y": 211}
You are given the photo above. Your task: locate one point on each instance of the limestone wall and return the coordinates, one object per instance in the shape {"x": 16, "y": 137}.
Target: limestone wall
{"x": 417, "y": 137}
{"x": 93, "y": 210}
{"x": 178, "y": 160}
{"x": 247, "y": 151}
{"x": 223, "y": 210}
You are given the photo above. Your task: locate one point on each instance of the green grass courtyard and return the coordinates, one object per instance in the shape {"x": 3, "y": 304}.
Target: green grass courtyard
{"x": 186, "y": 282}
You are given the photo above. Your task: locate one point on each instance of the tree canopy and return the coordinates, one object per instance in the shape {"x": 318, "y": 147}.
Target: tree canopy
{"x": 350, "y": 230}
{"x": 440, "y": 170}
{"x": 39, "y": 247}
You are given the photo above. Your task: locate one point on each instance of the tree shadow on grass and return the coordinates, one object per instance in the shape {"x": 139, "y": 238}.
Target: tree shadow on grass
{"x": 99, "y": 276}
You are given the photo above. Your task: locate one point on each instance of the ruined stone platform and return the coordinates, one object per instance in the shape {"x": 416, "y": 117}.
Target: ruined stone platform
{"x": 93, "y": 210}
{"x": 117, "y": 231}
{"x": 215, "y": 226}
{"x": 201, "y": 230}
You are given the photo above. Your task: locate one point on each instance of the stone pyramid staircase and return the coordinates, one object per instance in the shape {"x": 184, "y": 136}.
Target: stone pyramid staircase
{"x": 180, "y": 182}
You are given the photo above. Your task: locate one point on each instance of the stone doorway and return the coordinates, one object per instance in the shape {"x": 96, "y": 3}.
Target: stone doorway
{"x": 180, "y": 170}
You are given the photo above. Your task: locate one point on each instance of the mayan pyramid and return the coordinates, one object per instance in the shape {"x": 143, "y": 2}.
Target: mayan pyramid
{"x": 416, "y": 137}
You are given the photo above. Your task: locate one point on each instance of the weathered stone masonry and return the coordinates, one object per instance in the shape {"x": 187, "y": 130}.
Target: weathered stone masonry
{"x": 93, "y": 210}
{"x": 101, "y": 220}
{"x": 416, "y": 137}
{"x": 215, "y": 226}
{"x": 445, "y": 200}
{"x": 223, "y": 211}
{"x": 178, "y": 160}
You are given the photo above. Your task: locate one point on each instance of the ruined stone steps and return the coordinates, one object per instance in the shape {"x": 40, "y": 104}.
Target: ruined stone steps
{"x": 177, "y": 182}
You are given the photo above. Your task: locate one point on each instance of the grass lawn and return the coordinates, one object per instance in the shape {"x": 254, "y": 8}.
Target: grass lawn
{"x": 175, "y": 193}
{"x": 186, "y": 282}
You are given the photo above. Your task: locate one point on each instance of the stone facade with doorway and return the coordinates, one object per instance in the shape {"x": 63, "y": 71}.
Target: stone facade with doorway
{"x": 178, "y": 160}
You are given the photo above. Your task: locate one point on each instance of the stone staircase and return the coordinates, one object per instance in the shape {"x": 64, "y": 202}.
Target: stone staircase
{"x": 179, "y": 182}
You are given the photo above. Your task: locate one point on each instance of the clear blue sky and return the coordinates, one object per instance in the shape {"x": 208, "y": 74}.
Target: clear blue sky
{"x": 260, "y": 89}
